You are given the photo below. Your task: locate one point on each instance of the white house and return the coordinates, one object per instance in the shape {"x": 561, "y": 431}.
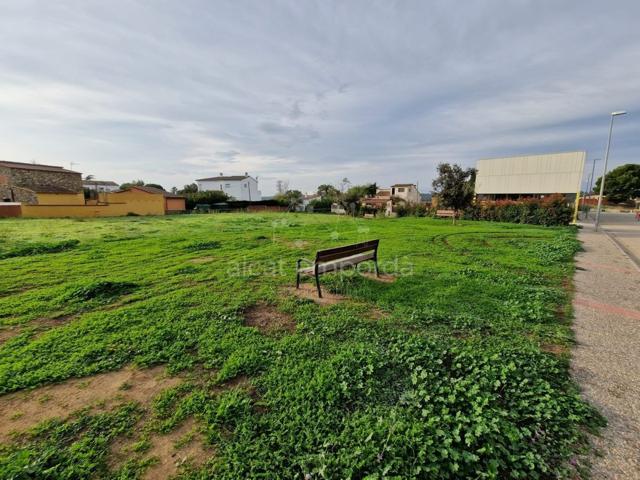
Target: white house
{"x": 101, "y": 185}
{"x": 306, "y": 200}
{"x": 240, "y": 187}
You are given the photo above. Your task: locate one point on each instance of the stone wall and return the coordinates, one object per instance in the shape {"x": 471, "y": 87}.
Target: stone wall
{"x": 42, "y": 178}
{"x": 18, "y": 194}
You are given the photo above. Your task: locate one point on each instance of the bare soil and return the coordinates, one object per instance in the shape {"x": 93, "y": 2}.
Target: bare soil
{"x": 41, "y": 325}
{"x": 169, "y": 452}
{"x": 268, "y": 318}
{"x": 384, "y": 277}
{"x": 309, "y": 292}
{"x": 201, "y": 260}
{"x": 21, "y": 411}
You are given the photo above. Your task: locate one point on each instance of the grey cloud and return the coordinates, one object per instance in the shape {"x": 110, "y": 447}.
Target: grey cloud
{"x": 313, "y": 91}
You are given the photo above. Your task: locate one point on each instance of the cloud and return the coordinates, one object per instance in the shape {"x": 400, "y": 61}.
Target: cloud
{"x": 313, "y": 92}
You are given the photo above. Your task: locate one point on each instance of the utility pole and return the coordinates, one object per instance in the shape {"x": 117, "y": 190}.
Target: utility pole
{"x": 71, "y": 164}
{"x": 604, "y": 170}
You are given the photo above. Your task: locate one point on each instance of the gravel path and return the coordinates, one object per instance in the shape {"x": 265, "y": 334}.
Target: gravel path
{"x": 606, "y": 359}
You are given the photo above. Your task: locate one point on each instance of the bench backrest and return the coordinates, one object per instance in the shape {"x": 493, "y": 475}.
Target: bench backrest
{"x": 346, "y": 251}
{"x": 445, "y": 213}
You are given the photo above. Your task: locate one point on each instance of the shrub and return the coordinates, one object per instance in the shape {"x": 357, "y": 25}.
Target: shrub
{"x": 100, "y": 290}
{"x": 412, "y": 210}
{"x": 547, "y": 212}
{"x": 209, "y": 197}
{"x": 38, "y": 248}
{"x": 197, "y": 246}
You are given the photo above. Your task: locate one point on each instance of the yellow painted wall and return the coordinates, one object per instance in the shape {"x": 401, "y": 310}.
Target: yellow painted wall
{"x": 139, "y": 202}
{"x": 61, "y": 198}
{"x": 51, "y": 211}
{"x": 119, "y": 204}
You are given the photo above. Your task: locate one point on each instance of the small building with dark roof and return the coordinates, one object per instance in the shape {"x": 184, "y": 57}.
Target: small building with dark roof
{"x": 148, "y": 200}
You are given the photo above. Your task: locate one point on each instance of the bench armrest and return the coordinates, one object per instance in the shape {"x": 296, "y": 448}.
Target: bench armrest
{"x": 303, "y": 260}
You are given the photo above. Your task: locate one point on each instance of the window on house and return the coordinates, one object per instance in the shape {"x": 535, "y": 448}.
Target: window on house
{"x": 400, "y": 189}
{"x": 227, "y": 185}
{"x": 245, "y": 185}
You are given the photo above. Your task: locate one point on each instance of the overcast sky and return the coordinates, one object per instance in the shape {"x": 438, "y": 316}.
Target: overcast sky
{"x": 311, "y": 92}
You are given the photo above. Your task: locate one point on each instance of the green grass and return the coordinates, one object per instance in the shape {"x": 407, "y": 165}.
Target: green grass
{"x": 452, "y": 380}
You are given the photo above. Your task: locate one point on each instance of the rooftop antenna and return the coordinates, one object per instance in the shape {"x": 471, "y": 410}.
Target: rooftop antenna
{"x": 71, "y": 164}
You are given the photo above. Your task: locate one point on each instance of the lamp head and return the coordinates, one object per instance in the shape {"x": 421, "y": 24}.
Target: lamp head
{"x": 620, "y": 112}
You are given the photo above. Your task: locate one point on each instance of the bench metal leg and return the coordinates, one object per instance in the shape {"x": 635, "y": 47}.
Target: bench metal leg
{"x": 297, "y": 281}
{"x": 375, "y": 262}
{"x": 318, "y": 285}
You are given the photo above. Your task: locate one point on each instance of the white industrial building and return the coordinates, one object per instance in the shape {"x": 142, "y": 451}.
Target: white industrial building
{"x": 240, "y": 187}
{"x": 530, "y": 176}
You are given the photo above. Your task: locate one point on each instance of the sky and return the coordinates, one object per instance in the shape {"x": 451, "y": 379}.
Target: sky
{"x": 312, "y": 92}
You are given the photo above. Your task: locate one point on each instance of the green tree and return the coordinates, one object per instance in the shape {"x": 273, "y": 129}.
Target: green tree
{"x": 155, "y": 185}
{"x": 355, "y": 193}
{"x": 372, "y": 189}
{"x": 454, "y": 186}
{"x": 291, "y": 198}
{"x": 622, "y": 183}
{"x": 327, "y": 191}
{"x": 191, "y": 188}
{"x": 132, "y": 183}
{"x": 206, "y": 197}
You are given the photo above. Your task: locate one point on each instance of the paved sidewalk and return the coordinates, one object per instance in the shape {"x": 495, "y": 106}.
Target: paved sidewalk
{"x": 606, "y": 359}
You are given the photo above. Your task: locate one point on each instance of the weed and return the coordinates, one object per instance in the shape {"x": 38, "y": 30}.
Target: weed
{"x": 38, "y": 248}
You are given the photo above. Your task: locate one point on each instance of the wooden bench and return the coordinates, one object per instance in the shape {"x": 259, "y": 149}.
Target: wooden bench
{"x": 339, "y": 258}
{"x": 445, "y": 213}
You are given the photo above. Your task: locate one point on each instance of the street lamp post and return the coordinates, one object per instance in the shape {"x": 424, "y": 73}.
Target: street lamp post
{"x": 604, "y": 169}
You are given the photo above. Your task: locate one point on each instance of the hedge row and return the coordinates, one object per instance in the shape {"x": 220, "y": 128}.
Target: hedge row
{"x": 548, "y": 212}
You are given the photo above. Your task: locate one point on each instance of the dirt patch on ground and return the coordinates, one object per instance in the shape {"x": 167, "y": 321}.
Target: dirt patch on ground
{"x": 169, "y": 452}
{"x": 309, "y": 292}
{"x": 377, "y": 314}
{"x": 293, "y": 243}
{"x": 172, "y": 452}
{"x": 268, "y": 318}
{"x": 554, "y": 348}
{"x": 202, "y": 260}
{"x": 40, "y": 325}
{"x": 23, "y": 410}
{"x": 8, "y": 332}
{"x": 384, "y": 277}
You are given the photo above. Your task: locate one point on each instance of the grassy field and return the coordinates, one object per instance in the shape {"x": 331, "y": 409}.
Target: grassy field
{"x": 457, "y": 369}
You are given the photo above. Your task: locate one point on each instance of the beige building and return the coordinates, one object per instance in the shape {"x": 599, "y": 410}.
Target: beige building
{"x": 530, "y": 175}
{"x": 386, "y": 198}
{"x": 406, "y": 191}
